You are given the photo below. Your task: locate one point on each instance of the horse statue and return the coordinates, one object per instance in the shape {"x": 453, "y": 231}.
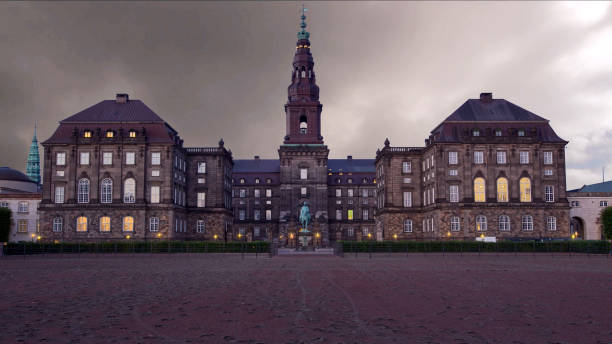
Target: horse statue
{"x": 304, "y": 216}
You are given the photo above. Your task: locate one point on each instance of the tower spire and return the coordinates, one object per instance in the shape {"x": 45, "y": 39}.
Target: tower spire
{"x": 303, "y": 34}
{"x": 33, "y": 164}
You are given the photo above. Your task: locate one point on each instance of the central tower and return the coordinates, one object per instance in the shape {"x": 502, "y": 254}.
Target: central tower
{"x": 303, "y": 156}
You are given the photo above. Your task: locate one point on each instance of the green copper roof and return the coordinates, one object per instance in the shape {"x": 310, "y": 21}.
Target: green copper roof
{"x": 33, "y": 165}
{"x": 303, "y": 34}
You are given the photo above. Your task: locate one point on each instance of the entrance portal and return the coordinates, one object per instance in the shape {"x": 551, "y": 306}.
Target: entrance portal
{"x": 305, "y": 241}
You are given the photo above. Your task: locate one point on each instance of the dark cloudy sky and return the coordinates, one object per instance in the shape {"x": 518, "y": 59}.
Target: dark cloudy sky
{"x": 385, "y": 69}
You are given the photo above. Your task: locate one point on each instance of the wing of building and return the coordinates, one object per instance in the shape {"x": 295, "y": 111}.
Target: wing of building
{"x": 586, "y": 204}
{"x": 491, "y": 168}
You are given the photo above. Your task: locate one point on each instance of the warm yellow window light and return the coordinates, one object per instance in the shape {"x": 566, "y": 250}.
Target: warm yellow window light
{"x": 110, "y": 134}
{"x": 81, "y": 224}
{"x": 87, "y": 134}
{"x": 128, "y": 224}
{"x": 350, "y": 214}
{"x": 105, "y": 224}
{"x": 479, "y": 190}
{"x": 502, "y": 190}
{"x": 525, "y": 188}
{"x": 132, "y": 134}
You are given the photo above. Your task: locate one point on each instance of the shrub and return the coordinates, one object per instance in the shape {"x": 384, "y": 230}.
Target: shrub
{"x": 606, "y": 222}
{"x": 5, "y": 223}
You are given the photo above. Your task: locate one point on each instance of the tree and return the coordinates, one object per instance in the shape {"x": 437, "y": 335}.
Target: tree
{"x": 5, "y": 223}
{"x": 606, "y": 222}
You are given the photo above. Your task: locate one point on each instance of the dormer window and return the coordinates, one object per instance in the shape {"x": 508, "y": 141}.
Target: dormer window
{"x": 256, "y": 180}
{"x": 268, "y": 181}
{"x": 110, "y": 134}
{"x": 241, "y": 180}
{"x": 521, "y": 132}
{"x": 132, "y": 133}
{"x": 475, "y": 132}
{"x": 498, "y": 132}
{"x": 87, "y": 134}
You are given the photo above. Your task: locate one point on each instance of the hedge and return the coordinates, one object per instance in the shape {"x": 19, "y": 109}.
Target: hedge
{"x": 578, "y": 246}
{"x": 21, "y": 248}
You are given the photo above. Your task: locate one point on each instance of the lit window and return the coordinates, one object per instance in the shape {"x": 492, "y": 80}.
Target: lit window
{"x": 303, "y": 191}
{"x": 201, "y": 167}
{"x": 455, "y": 224}
{"x": 129, "y": 190}
{"x": 132, "y": 133}
{"x": 81, "y": 224}
{"x": 548, "y": 158}
{"x": 256, "y": 180}
{"x": 549, "y": 193}
{"x": 268, "y": 193}
{"x": 527, "y": 223}
{"x": 551, "y": 223}
{"x": 242, "y": 180}
{"x": 478, "y": 157}
{"x": 155, "y": 194}
{"x": 154, "y": 224}
{"x": 155, "y": 158}
{"x": 349, "y": 192}
{"x": 406, "y": 167}
{"x": 128, "y": 224}
{"x": 504, "y": 223}
{"x": 407, "y": 199}
{"x": 502, "y": 189}
{"x": 501, "y": 157}
{"x": 60, "y": 159}
{"x": 408, "y": 226}
{"x": 110, "y": 134}
{"x": 454, "y": 193}
{"x": 107, "y": 158}
{"x": 338, "y": 192}
{"x": 350, "y": 214}
{"x": 105, "y": 224}
{"x": 84, "y": 158}
{"x": 452, "y": 158}
{"x": 525, "y": 189}
{"x": 481, "y": 223}
{"x": 130, "y": 158}
{"x": 479, "y": 190}
{"x": 22, "y": 226}
{"x": 201, "y": 199}
{"x": 87, "y": 134}
{"x": 524, "y": 157}
{"x": 200, "y": 226}
{"x": 83, "y": 191}
{"x": 268, "y": 214}
{"x": 106, "y": 191}
{"x": 303, "y": 173}
{"x": 58, "y": 224}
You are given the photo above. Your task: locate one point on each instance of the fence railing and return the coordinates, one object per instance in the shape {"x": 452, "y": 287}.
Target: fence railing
{"x": 32, "y": 248}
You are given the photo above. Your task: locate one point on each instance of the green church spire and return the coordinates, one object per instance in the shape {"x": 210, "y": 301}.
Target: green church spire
{"x": 303, "y": 34}
{"x": 33, "y": 165}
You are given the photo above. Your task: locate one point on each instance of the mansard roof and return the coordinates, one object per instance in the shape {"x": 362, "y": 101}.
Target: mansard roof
{"x": 132, "y": 110}
{"x": 494, "y": 110}
{"x": 351, "y": 165}
{"x": 598, "y": 187}
{"x": 256, "y": 166}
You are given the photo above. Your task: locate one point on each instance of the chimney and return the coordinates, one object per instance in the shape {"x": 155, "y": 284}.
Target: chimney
{"x": 256, "y": 157}
{"x": 349, "y": 157}
{"x": 486, "y": 97}
{"x": 122, "y": 98}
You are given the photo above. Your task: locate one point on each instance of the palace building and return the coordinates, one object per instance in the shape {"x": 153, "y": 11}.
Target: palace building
{"x": 117, "y": 170}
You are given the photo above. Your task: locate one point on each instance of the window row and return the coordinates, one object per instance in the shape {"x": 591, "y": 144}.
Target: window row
{"x": 501, "y": 157}
{"x": 82, "y": 224}
{"x": 107, "y": 158}
{"x": 242, "y": 193}
{"x": 257, "y": 181}
{"x": 365, "y": 214}
{"x": 503, "y": 190}
{"x": 106, "y": 191}
{"x": 351, "y": 192}
{"x": 242, "y": 214}
{"x": 109, "y": 134}
{"x": 480, "y": 223}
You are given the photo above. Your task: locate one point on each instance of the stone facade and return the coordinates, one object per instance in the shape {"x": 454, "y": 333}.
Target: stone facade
{"x": 587, "y": 204}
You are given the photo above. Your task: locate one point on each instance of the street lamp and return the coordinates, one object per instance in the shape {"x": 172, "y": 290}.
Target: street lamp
{"x": 215, "y": 236}
{"x": 448, "y": 234}
{"x": 395, "y": 236}
{"x": 128, "y": 237}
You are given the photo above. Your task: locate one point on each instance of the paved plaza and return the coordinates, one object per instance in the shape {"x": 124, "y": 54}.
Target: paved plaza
{"x": 199, "y": 298}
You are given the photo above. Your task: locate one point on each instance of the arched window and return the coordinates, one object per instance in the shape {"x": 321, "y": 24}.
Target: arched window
{"x": 455, "y": 223}
{"x": 502, "y": 189}
{"x": 58, "y": 224}
{"x": 303, "y": 73}
{"x": 408, "y": 226}
{"x": 81, "y": 224}
{"x": 303, "y": 124}
{"x": 83, "y": 191}
{"x": 129, "y": 191}
{"x": 105, "y": 224}
{"x": 527, "y": 223}
{"x": 481, "y": 223}
{"x": 106, "y": 191}
{"x": 525, "y": 188}
{"x": 128, "y": 224}
{"x": 504, "y": 223}
{"x": 479, "y": 189}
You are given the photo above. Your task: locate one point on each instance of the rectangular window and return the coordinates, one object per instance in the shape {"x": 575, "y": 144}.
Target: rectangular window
{"x": 22, "y": 226}
{"x": 303, "y": 173}
{"x": 303, "y": 191}
{"x": 154, "y": 173}
{"x": 256, "y": 214}
{"x": 268, "y": 214}
{"x": 350, "y": 192}
{"x": 338, "y": 192}
{"x": 478, "y": 157}
{"x": 84, "y": 158}
{"x": 107, "y": 158}
{"x": 200, "y": 226}
{"x": 268, "y": 193}
{"x": 504, "y": 223}
{"x": 365, "y": 214}
{"x": 350, "y": 232}
{"x": 130, "y": 158}
{"x": 407, "y": 180}
{"x": 455, "y": 224}
{"x": 201, "y": 180}
{"x": 338, "y": 201}
{"x": 154, "y": 224}
{"x": 201, "y": 199}
{"x": 406, "y": 167}
{"x": 338, "y": 214}
{"x": 364, "y": 193}
{"x": 549, "y": 193}
{"x": 350, "y": 214}
{"x": 201, "y": 167}
{"x": 155, "y": 158}
{"x": 58, "y": 224}
{"x": 501, "y": 157}
{"x": 548, "y": 172}
{"x": 524, "y": 157}
{"x": 548, "y": 158}
{"x": 4, "y": 204}
{"x": 242, "y": 193}
{"x": 59, "y": 173}
{"x": 603, "y": 203}
{"x": 22, "y": 207}
{"x": 59, "y": 194}
{"x": 527, "y": 223}
{"x": 256, "y": 231}
{"x": 154, "y": 194}
{"x": 241, "y": 214}
{"x": 452, "y": 158}
{"x": 551, "y": 223}
{"x": 452, "y": 172}
{"x": 256, "y": 193}
{"x": 365, "y": 231}
{"x": 408, "y": 226}
{"x": 60, "y": 159}
{"x": 454, "y": 193}
{"x": 407, "y": 199}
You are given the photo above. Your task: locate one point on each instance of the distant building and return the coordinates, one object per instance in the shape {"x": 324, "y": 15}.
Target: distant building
{"x": 20, "y": 194}
{"x": 586, "y": 206}
{"x": 33, "y": 164}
